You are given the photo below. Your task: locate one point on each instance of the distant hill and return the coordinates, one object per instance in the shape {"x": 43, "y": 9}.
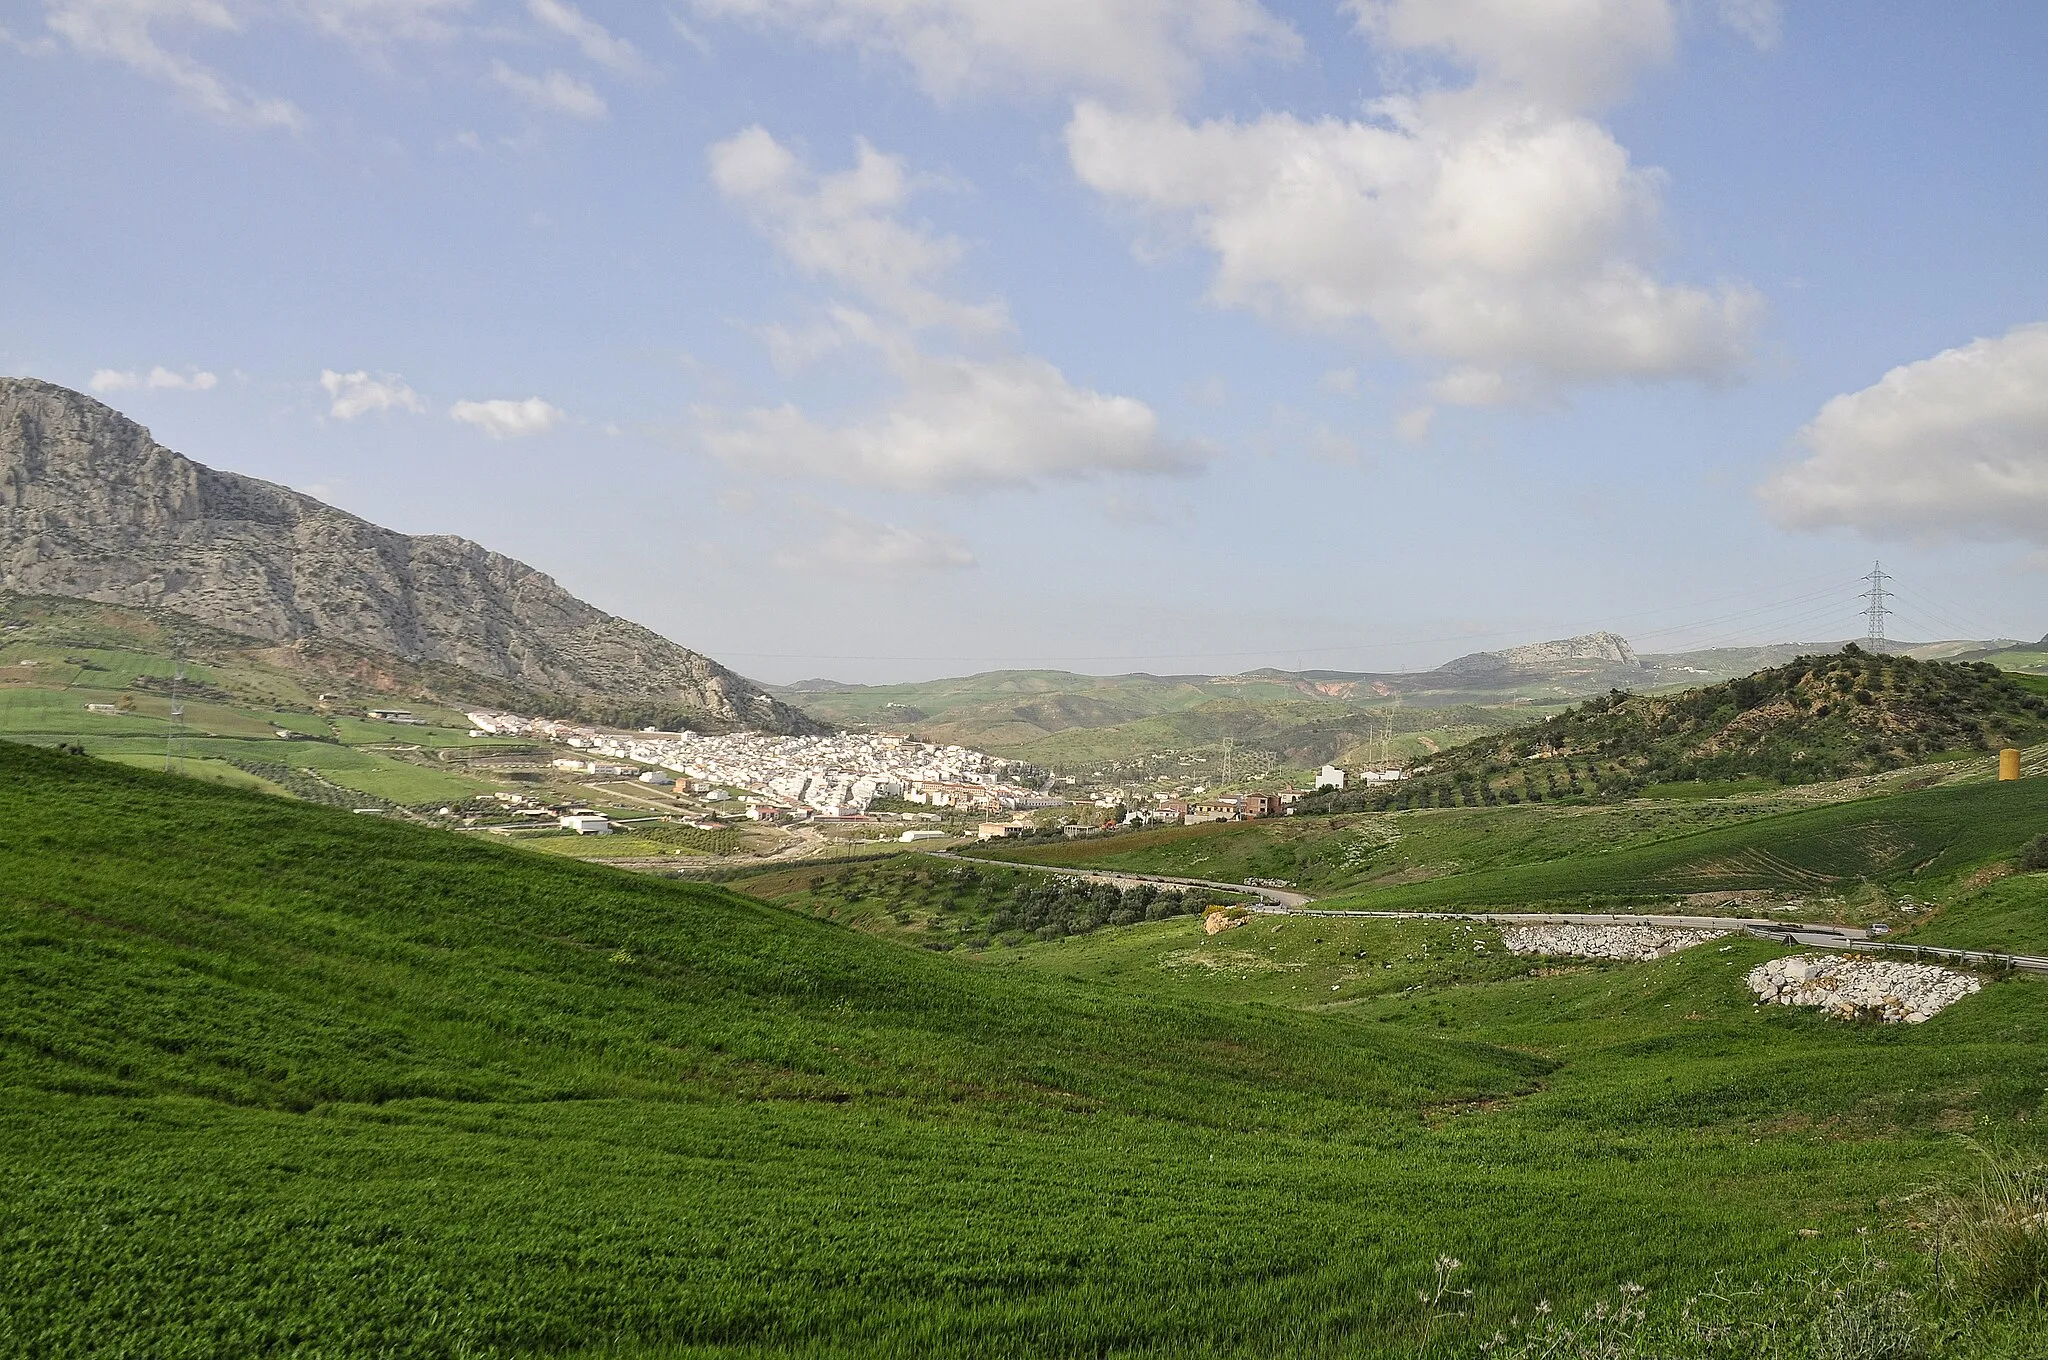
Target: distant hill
{"x": 1310, "y": 716}
{"x": 1818, "y": 718}
{"x": 93, "y": 508}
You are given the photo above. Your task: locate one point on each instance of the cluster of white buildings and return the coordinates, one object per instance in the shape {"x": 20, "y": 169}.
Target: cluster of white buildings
{"x": 1332, "y": 777}
{"x": 833, "y": 776}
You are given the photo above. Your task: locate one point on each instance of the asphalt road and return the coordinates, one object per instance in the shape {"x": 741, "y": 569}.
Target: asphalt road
{"x": 1276, "y": 897}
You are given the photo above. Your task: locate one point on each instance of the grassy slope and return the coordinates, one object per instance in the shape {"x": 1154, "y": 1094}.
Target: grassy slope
{"x": 1921, "y": 843}
{"x": 1329, "y": 854}
{"x": 1820, "y": 718}
{"x": 277, "y": 1077}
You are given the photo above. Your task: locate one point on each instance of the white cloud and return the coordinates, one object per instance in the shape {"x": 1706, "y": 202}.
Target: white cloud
{"x": 1495, "y": 230}
{"x": 375, "y": 23}
{"x": 1952, "y": 446}
{"x": 504, "y": 419}
{"x": 842, "y": 227}
{"x": 125, "y": 31}
{"x": 356, "y": 394}
{"x": 596, "y": 42}
{"x": 855, "y": 542}
{"x": 158, "y": 379}
{"x": 1567, "y": 53}
{"x": 554, "y": 92}
{"x": 955, "y": 421}
{"x": 1151, "y": 51}
{"x": 1756, "y": 20}
{"x": 1413, "y": 425}
{"x": 959, "y": 422}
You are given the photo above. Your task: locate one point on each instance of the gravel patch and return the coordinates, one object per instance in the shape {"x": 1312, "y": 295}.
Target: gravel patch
{"x": 1852, "y": 988}
{"x": 1638, "y": 944}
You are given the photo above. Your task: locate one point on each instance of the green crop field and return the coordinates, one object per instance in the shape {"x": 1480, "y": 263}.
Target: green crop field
{"x": 280, "y": 1080}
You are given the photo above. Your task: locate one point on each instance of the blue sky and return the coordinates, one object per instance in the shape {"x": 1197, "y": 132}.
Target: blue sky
{"x": 885, "y": 339}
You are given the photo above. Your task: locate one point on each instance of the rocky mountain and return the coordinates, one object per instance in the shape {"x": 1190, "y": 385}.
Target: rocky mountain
{"x": 92, "y": 507}
{"x": 1595, "y": 650}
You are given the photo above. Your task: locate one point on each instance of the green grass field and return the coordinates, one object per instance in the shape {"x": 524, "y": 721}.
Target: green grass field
{"x": 280, "y": 1080}
{"x": 1329, "y": 854}
{"x": 1857, "y": 856}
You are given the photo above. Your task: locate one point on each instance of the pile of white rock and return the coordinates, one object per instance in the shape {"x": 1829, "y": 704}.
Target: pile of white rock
{"x": 1845, "y": 988}
{"x": 1638, "y": 944}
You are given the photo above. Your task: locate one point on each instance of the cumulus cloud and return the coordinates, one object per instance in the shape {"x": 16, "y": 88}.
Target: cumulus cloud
{"x": 1495, "y": 229}
{"x": 843, "y": 227}
{"x": 959, "y": 422}
{"x": 504, "y": 419}
{"x": 1952, "y": 446}
{"x": 596, "y": 42}
{"x": 1150, "y": 51}
{"x": 1569, "y": 53}
{"x": 955, "y": 420}
{"x": 125, "y": 31}
{"x": 356, "y": 394}
{"x": 553, "y": 92}
{"x": 158, "y": 379}
{"x": 855, "y": 542}
{"x": 1499, "y": 245}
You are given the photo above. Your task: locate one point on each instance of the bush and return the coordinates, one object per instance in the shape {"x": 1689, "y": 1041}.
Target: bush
{"x": 1992, "y": 1238}
{"x": 2034, "y": 857}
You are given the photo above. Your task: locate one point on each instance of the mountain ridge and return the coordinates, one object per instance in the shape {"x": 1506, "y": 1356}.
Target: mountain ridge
{"x": 92, "y": 507}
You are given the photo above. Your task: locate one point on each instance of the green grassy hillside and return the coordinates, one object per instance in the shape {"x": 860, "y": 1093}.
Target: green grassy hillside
{"x": 1818, "y": 718}
{"x": 1331, "y": 854}
{"x": 1920, "y": 844}
{"x": 1861, "y": 857}
{"x": 279, "y": 1080}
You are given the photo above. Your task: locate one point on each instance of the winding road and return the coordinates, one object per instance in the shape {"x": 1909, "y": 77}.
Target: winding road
{"x": 1806, "y": 934}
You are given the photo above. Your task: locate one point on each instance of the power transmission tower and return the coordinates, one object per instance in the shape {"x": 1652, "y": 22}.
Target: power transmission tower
{"x": 175, "y": 726}
{"x": 1874, "y": 610}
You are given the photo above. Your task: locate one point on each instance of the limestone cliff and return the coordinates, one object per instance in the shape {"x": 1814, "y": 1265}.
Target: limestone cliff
{"x": 93, "y": 508}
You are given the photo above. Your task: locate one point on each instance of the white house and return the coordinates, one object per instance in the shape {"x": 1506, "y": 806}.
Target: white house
{"x": 587, "y": 824}
{"x": 1330, "y": 777}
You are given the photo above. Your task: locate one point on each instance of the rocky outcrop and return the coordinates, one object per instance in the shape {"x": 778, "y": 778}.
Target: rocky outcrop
{"x": 93, "y": 508}
{"x": 1634, "y": 944}
{"x": 1594, "y": 651}
{"x": 1851, "y": 988}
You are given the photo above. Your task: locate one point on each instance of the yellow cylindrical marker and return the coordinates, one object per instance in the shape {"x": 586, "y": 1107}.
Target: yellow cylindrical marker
{"x": 2009, "y": 763}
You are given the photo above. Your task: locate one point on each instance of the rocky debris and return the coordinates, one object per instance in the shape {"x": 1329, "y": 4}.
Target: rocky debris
{"x": 1218, "y": 919}
{"x": 93, "y": 508}
{"x": 1854, "y": 988}
{"x": 1637, "y": 944}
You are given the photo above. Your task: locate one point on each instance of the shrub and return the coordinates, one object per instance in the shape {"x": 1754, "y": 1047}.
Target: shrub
{"x": 1991, "y": 1238}
{"x": 2034, "y": 857}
